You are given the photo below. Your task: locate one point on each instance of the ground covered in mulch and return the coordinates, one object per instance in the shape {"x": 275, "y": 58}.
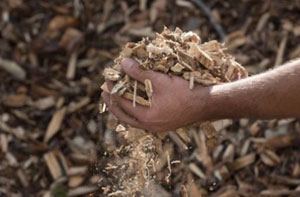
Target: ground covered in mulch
{"x": 54, "y": 142}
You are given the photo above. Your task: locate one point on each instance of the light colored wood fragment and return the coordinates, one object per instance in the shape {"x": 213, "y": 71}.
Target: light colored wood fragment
{"x": 3, "y": 142}
{"x": 77, "y": 170}
{"x": 255, "y": 127}
{"x": 13, "y": 69}
{"x": 139, "y": 99}
{"x": 182, "y": 132}
{"x": 242, "y": 162}
{"x": 281, "y": 50}
{"x": 245, "y": 147}
{"x": 211, "y": 135}
{"x": 296, "y": 170}
{"x": 111, "y": 74}
{"x": 149, "y": 89}
{"x": 177, "y": 141}
{"x": 72, "y": 66}
{"x": 229, "y": 153}
{"x": 134, "y": 93}
{"x": 55, "y": 124}
{"x": 177, "y": 68}
{"x": 196, "y": 170}
{"x": 53, "y": 165}
{"x": 74, "y": 106}
{"x": 12, "y": 160}
{"x": 262, "y": 21}
{"x": 60, "y": 102}
{"x": 22, "y": 177}
{"x": 75, "y": 181}
{"x": 83, "y": 190}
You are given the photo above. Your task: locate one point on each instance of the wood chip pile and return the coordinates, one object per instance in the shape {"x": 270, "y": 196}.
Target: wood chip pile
{"x": 54, "y": 142}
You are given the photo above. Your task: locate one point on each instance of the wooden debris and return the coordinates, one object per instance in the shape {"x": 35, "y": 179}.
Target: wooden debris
{"x": 53, "y": 165}
{"x": 13, "y": 68}
{"x": 55, "y": 124}
{"x": 75, "y": 181}
{"x": 83, "y": 190}
{"x": 243, "y": 161}
{"x": 15, "y": 100}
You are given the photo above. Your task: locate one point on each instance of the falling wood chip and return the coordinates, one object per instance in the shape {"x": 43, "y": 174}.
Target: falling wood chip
{"x": 55, "y": 124}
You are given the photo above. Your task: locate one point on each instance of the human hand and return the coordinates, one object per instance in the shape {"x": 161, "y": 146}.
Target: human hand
{"x": 174, "y": 105}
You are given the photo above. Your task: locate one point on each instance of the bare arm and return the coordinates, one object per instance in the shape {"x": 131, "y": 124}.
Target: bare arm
{"x": 274, "y": 94}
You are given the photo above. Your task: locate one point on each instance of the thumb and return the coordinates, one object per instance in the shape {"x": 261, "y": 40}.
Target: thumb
{"x": 131, "y": 68}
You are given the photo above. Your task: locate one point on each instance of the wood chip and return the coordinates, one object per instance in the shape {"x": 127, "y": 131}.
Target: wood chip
{"x": 242, "y": 162}
{"x": 13, "y": 69}
{"x": 75, "y": 181}
{"x": 53, "y": 165}
{"x": 15, "y": 100}
{"x": 55, "y": 124}
{"x": 83, "y": 190}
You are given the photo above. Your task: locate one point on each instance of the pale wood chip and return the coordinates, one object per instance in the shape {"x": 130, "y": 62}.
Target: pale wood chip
{"x": 139, "y": 99}
{"x": 53, "y": 165}
{"x": 82, "y": 190}
{"x": 183, "y": 134}
{"x": 111, "y": 74}
{"x": 55, "y": 124}
{"x": 72, "y": 66}
{"x": 23, "y": 178}
{"x": 75, "y": 181}
{"x": 3, "y": 142}
{"x": 178, "y": 141}
{"x": 243, "y": 161}
{"x": 149, "y": 89}
{"x": 74, "y": 106}
{"x": 196, "y": 170}
{"x": 134, "y": 93}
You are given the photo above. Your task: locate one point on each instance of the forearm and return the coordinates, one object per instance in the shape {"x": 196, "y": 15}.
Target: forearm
{"x": 274, "y": 94}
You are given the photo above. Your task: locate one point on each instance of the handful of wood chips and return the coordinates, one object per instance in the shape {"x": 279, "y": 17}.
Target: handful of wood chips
{"x": 174, "y": 53}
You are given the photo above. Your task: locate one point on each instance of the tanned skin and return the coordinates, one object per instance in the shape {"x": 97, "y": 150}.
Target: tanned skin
{"x": 273, "y": 94}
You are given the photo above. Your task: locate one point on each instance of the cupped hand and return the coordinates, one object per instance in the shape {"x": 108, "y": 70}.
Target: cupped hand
{"x": 173, "y": 104}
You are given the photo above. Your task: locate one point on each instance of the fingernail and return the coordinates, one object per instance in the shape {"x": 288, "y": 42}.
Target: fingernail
{"x": 127, "y": 62}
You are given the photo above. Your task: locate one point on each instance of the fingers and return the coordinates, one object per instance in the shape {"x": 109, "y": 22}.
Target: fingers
{"x": 125, "y": 104}
{"x": 118, "y": 112}
{"x": 131, "y": 68}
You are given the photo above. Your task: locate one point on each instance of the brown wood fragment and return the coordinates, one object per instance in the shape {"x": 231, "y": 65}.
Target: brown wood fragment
{"x": 15, "y": 100}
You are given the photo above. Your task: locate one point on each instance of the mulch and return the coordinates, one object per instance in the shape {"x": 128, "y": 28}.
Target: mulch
{"x": 54, "y": 142}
